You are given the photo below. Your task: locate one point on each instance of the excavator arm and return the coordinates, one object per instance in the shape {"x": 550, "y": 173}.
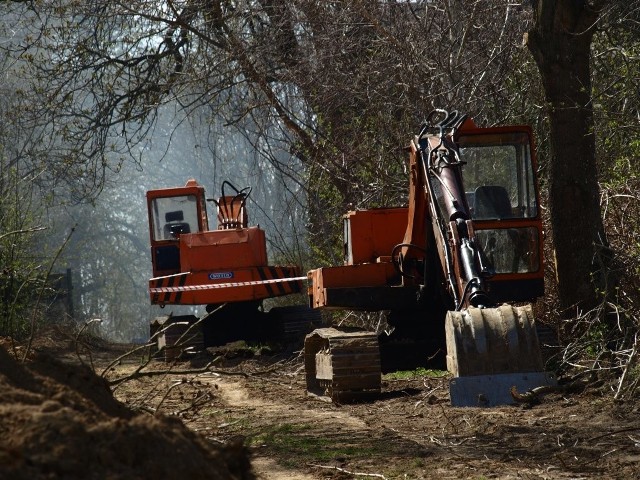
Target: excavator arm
{"x": 489, "y": 347}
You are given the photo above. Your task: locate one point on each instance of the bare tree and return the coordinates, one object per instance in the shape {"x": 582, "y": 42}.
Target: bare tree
{"x": 335, "y": 86}
{"x": 561, "y": 43}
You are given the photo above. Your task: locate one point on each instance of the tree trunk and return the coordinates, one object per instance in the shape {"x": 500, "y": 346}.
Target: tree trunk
{"x": 561, "y": 43}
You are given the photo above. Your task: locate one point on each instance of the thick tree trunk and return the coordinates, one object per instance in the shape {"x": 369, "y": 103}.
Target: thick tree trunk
{"x": 560, "y": 43}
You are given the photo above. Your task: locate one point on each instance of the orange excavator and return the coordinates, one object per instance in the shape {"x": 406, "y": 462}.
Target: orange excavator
{"x": 225, "y": 269}
{"x": 454, "y": 269}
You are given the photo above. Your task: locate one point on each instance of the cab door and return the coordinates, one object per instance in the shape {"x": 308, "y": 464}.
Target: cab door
{"x": 502, "y": 194}
{"x": 173, "y": 212}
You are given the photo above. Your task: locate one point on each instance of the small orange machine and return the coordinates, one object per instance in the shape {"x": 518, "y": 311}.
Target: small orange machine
{"x": 193, "y": 265}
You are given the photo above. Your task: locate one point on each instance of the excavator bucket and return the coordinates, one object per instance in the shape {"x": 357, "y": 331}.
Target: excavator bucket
{"x": 489, "y": 352}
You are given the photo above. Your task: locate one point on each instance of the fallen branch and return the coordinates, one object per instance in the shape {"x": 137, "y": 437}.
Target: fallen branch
{"x": 627, "y": 368}
{"x": 77, "y": 342}
{"x": 191, "y": 371}
{"x": 357, "y": 474}
{"x": 168, "y": 391}
{"x": 574, "y": 385}
{"x": 118, "y": 360}
{"x": 196, "y": 402}
{"x": 138, "y": 371}
{"x": 614, "y": 432}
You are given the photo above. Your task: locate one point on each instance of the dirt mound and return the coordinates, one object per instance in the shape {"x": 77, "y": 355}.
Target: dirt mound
{"x": 60, "y": 421}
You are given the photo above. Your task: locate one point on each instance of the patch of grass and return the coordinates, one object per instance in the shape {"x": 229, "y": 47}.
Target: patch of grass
{"x": 210, "y": 412}
{"x": 226, "y": 423}
{"x": 297, "y": 443}
{"x": 418, "y": 372}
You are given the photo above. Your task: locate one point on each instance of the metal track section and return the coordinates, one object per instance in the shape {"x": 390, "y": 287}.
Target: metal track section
{"x": 343, "y": 366}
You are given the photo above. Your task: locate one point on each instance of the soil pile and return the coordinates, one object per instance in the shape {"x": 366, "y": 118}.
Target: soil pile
{"x": 60, "y": 420}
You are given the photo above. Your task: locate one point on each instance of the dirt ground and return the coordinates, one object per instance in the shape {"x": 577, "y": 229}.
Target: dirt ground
{"x": 59, "y": 420}
{"x": 410, "y": 431}
{"x": 258, "y": 405}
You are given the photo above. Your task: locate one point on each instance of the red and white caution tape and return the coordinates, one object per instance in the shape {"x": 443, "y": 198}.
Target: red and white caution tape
{"x": 190, "y": 288}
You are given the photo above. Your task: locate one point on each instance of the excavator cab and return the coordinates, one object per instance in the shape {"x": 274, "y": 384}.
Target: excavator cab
{"x": 172, "y": 213}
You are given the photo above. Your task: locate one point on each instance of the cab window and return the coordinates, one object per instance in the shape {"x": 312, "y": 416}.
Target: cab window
{"x": 173, "y": 216}
{"x": 498, "y": 176}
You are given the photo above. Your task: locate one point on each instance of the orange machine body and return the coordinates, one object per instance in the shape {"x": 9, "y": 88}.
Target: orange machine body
{"x": 374, "y": 240}
{"x": 193, "y": 265}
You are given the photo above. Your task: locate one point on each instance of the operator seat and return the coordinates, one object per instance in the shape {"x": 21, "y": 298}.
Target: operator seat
{"x": 173, "y": 230}
{"x": 175, "y": 225}
{"x": 492, "y": 201}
